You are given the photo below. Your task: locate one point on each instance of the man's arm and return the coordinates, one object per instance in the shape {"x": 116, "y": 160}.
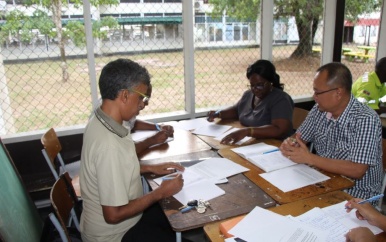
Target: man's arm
{"x": 300, "y": 153}
{"x": 114, "y": 215}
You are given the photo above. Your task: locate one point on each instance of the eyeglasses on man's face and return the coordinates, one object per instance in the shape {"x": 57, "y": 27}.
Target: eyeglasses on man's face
{"x": 323, "y": 92}
{"x": 257, "y": 86}
{"x": 145, "y": 98}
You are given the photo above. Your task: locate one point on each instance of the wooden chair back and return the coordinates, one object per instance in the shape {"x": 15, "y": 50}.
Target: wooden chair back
{"x": 51, "y": 145}
{"x": 63, "y": 200}
{"x": 298, "y": 116}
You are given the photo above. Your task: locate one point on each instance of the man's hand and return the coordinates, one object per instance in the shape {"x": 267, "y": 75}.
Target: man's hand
{"x": 170, "y": 187}
{"x": 168, "y": 129}
{"x": 295, "y": 149}
{"x": 164, "y": 168}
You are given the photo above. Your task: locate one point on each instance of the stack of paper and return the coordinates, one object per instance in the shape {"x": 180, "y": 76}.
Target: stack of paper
{"x": 280, "y": 171}
{"x": 211, "y": 129}
{"x": 319, "y": 224}
{"x": 200, "y": 179}
{"x": 263, "y": 225}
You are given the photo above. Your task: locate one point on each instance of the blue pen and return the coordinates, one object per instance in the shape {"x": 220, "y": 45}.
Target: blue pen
{"x": 188, "y": 208}
{"x": 158, "y": 127}
{"x": 168, "y": 178}
{"x": 267, "y": 152}
{"x": 371, "y": 199}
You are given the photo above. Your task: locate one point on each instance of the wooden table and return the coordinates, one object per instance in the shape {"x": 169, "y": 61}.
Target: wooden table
{"x": 296, "y": 208}
{"x": 337, "y": 182}
{"x": 241, "y": 196}
{"x": 184, "y": 143}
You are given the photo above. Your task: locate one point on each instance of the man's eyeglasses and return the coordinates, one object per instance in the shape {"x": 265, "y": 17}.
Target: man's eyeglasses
{"x": 259, "y": 86}
{"x": 323, "y": 92}
{"x": 145, "y": 98}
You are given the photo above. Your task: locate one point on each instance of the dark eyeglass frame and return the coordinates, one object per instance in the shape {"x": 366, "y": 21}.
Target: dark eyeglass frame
{"x": 323, "y": 92}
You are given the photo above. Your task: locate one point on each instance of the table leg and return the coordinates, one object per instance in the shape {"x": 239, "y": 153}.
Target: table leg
{"x": 178, "y": 237}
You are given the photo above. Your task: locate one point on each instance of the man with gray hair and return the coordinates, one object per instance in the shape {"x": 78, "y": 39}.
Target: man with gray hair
{"x": 346, "y": 134}
{"x": 114, "y": 206}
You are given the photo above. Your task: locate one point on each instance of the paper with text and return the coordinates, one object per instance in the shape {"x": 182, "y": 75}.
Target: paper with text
{"x": 294, "y": 177}
{"x": 271, "y": 161}
{"x": 349, "y": 220}
{"x": 317, "y": 218}
{"x": 263, "y": 225}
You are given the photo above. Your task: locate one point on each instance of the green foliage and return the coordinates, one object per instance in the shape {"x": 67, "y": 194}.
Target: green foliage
{"x": 100, "y": 27}
{"x": 354, "y": 8}
{"x": 238, "y": 9}
{"x": 75, "y": 31}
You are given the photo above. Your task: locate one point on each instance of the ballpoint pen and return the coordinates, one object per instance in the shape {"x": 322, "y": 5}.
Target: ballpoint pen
{"x": 374, "y": 198}
{"x": 270, "y": 151}
{"x": 371, "y": 199}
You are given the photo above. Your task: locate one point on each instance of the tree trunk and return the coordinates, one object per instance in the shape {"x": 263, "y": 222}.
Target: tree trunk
{"x": 304, "y": 47}
{"x": 315, "y": 23}
{"x": 57, "y": 17}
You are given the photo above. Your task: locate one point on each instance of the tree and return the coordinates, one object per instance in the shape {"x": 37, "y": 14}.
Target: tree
{"x": 307, "y": 14}
{"x": 55, "y": 7}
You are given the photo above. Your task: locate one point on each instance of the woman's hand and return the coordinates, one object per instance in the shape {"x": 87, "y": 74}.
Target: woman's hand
{"x": 234, "y": 137}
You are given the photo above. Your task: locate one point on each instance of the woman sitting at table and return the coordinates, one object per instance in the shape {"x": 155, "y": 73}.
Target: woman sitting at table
{"x": 265, "y": 109}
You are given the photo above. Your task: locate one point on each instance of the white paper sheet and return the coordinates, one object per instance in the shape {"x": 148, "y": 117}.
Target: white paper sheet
{"x": 263, "y": 225}
{"x": 252, "y": 150}
{"x": 349, "y": 220}
{"x": 271, "y": 161}
{"x": 211, "y": 129}
{"x": 191, "y": 124}
{"x": 317, "y": 218}
{"x": 294, "y": 177}
{"x": 203, "y": 189}
{"x": 200, "y": 179}
{"x": 217, "y": 168}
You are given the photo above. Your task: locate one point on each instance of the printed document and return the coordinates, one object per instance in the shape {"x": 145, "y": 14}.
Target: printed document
{"x": 200, "y": 179}
{"x": 266, "y": 157}
{"x": 294, "y": 177}
{"x": 263, "y": 225}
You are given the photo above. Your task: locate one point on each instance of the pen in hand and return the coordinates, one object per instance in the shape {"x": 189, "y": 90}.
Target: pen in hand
{"x": 371, "y": 199}
{"x": 374, "y": 198}
{"x": 214, "y": 115}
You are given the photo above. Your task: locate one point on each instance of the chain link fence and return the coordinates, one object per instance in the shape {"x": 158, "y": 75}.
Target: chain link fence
{"x": 45, "y": 83}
